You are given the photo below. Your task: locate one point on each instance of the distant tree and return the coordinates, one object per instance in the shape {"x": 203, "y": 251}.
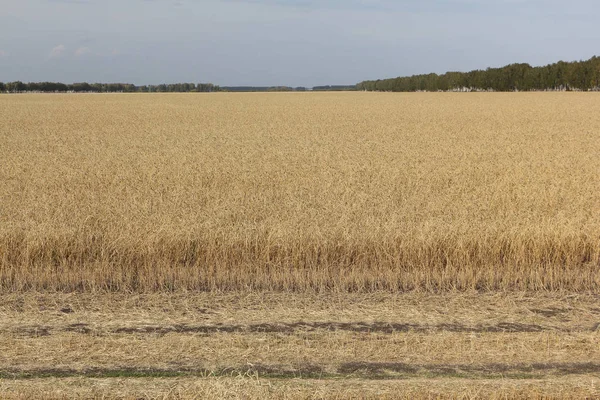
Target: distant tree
{"x": 206, "y": 87}
{"x": 580, "y": 75}
{"x": 18, "y": 86}
{"x": 334, "y": 88}
{"x": 82, "y": 87}
{"x": 15, "y": 87}
{"x": 280, "y": 89}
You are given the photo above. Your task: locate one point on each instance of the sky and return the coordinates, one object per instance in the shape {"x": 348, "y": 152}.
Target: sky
{"x": 284, "y": 42}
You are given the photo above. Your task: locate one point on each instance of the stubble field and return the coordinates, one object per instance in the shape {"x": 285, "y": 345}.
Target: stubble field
{"x": 298, "y": 245}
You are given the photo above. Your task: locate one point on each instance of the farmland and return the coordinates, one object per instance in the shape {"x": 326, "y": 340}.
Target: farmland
{"x": 299, "y": 244}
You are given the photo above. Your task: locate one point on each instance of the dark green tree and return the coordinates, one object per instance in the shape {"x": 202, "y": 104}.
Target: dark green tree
{"x": 578, "y": 75}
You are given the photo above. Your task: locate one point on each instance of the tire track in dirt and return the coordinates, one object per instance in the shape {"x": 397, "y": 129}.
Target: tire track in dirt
{"x": 288, "y": 328}
{"x": 363, "y": 370}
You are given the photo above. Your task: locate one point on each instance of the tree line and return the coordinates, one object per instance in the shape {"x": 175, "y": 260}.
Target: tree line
{"x": 334, "y": 88}
{"x": 577, "y": 75}
{"x": 84, "y": 87}
{"x": 263, "y": 89}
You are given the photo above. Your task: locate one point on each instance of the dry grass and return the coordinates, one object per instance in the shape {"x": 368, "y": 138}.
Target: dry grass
{"x": 250, "y": 388}
{"x": 59, "y": 346}
{"x": 480, "y": 335}
{"x": 325, "y": 192}
{"x": 555, "y": 312}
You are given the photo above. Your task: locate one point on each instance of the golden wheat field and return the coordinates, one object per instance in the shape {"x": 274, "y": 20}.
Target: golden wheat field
{"x": 300, "y": 246}
{"x": 340, "y": 191}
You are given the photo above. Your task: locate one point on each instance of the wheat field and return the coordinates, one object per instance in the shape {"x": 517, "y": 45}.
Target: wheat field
{"x": 303, "y": 191}
{"x": 300, "y": 245}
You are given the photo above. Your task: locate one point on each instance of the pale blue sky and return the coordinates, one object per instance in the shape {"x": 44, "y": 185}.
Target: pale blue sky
{"x": 284, "y": 42}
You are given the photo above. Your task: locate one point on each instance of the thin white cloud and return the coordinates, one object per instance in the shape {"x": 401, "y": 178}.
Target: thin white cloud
{"x": 58, "y": 51}
{"x": 3, "y": 53}
{"x": 82, "y": 51}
